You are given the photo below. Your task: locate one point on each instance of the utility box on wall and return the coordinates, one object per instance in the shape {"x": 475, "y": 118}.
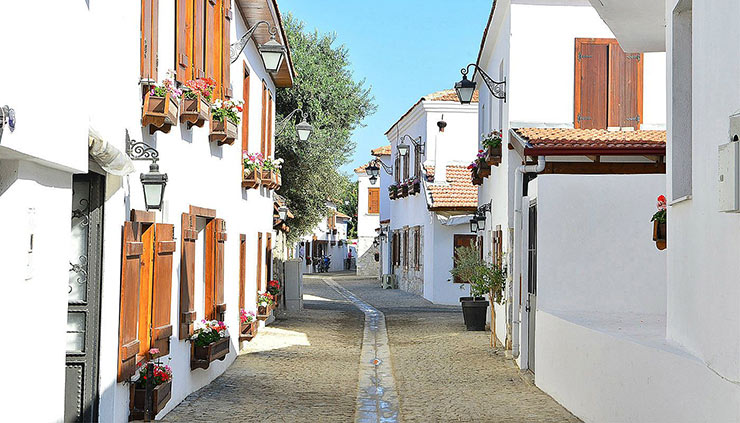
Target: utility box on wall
{"x": 728, "y": 193}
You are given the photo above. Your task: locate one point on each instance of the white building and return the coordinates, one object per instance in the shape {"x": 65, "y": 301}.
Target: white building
{"x": 327, "y": 239}
{"x": 573, "y": 227}
{"x": 368, "y": 223}
{"x": 124, "y": 279}
{"x": 424, "y": 225}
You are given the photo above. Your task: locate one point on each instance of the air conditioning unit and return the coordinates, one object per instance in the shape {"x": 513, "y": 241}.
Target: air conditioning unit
{"x": 389, "y": 282}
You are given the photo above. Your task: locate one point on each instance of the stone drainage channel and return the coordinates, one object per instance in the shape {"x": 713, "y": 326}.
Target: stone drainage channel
{"x": 377, "y": 400}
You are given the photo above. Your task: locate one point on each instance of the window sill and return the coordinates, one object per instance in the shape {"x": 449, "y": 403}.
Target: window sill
{"x": 680, "y": 200}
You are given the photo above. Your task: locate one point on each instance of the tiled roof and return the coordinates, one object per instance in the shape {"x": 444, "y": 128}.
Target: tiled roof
{"x": 458, "y": 193}
{"x": 444, "y": 95}
{"x": 361, "y": 169}
{"x": 429, "y": 170}
{"x": 342, "y": 215}
{"x": 381, "y": 151}
{"x": 566, "y": 140}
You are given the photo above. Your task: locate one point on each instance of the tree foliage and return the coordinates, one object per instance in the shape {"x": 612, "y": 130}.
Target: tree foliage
{"x": 336, "y": 104}
{"x": 348, "y": 205}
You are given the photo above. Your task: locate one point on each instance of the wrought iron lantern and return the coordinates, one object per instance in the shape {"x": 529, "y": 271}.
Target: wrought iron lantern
{"x": 283, "y": 212}
{"x": 304, "y": 130}
{"x": 465, "y": 88}
{"x": 403, "y": 150}
{"x": 373, "y": 171}
{"x": 474, "y": 224}
{"x": 272, "y": 53}
{"x": 154, "y": 184}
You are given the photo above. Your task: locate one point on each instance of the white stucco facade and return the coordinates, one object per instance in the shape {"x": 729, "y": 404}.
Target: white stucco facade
{"x": 368, "y": 222}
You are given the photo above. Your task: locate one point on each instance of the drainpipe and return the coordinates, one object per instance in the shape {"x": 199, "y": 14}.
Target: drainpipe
{"x": 519, "y": 246}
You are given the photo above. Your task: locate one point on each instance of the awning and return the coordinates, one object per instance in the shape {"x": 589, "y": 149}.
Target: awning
{"x": 111, "y": 159}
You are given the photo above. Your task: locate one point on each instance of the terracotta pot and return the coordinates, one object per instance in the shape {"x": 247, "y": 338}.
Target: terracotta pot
{"x": 223, "y": 132}
{"x": 251, "y": 178}
{"x": 201, "y": 357}
{"x": 194, "y": 111}
{"x": 137, "y": 402}
{"x": 159, "y": 113}
{"x": 660, "y": 235}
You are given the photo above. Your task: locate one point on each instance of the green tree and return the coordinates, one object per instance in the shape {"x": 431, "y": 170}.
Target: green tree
{"x": 336, "y": 105}
{"x": 348, "y": 205}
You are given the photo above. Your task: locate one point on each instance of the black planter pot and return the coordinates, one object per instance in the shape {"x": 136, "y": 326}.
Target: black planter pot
{"x": 474, "y": 312}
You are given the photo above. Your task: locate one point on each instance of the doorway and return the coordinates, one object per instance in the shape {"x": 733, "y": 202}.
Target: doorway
{"x": 531, "y": 283}
{"x": 83, "y": 299}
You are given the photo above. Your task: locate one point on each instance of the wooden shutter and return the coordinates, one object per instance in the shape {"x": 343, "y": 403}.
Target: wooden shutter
{"x": 245, "y": 109}
{"x": 461, "y": 241}
{"x": 268, "y": 257}
{"x": 259, "y": 263}
{"x": 417, "y": 161}
{"x": 263, "y": 143}
{"x": 406, "y": 249}
{"x": 269, "y": 122}
{"x": 225, "y": 48}
{"x": 242, "y": 271}
{"x": 397, "y": 168}
{"x": 187, "y": 275}
{"x": 199, "y": 38}
{"x": 373, "y": 200}
{"x": 591, "y": 85}
{"x": 164, "y": 248}
{"x": 218, "y": 287}
{"x": 417, "y": 248}
{"x": 406, "y": 161}
{"x": 128, "y": 342}
{"x": 625, "y": 87}
{"x": 184, "y": 39}
{"x": 149, "y": 38}
{"x": 212, "y": 41}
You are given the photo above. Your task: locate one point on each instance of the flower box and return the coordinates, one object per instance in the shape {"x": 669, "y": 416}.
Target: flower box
{"x": 252, "y": 178}
{"x": 276, "y": 180}
{"x": 194, "y": 111}
{"x": 415, "y": 188}
{"x": 159, "y": 113}
{"x": 223, "y": 132}
{"x": 476, "y": 178}
{"x": 659, "y": 235}
{"x": 404, "y": 190}
{"x": 201, "y": 357}
{"x": 247, "y": 331}
{"x": 263, "y": 312}
{"x": 493, "y": 155}
{"x": 484, "y": 169}
{"x": 137, "y": 400}
{"x": 392, "y": 194}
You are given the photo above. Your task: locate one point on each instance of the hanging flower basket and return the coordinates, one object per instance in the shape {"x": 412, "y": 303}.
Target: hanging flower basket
{"x": 161, "y": 393}
{"x": 393, "y": 192}
{"x": 195, "y": 111}
{"x": 159, "y": 113}
{"x": 659, "y": 224}
{"x": 414, "y": 187}
{"x": 202, "y": 357}
{"x": 247, "y": 325}
{"x": 252, "y": 178}
{"x": 493, "y": 155}
{"x": 404, "y": 189}
{"x": 265, "y": 304}
{"x": 492, "y": 143}
{"x": 223, "y": 132}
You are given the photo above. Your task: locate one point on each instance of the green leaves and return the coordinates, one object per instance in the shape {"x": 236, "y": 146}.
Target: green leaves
{"x": 484, "y": 277}
{"x": 336, "y": 104}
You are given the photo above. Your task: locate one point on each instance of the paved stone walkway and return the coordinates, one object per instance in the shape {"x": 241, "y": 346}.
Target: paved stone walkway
{"x": 304, "y": 367}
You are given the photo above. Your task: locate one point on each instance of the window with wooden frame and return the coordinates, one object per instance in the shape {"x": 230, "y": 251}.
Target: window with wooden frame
{"x": 245, "y": 109}
{"x": 397, "y": 168}
{"x": 146, "y": 290}
{"x": 259, "y": 263}
{"x": 417, "y": 248}
{"x": 149, "y": 49}
{"x": 417, "y": 161}
{"x": 263, "y": 133}
{"x": 268, "y": 258}
{"x": 395, "y": 249}
{"x": 461, "y": 240}
{"x": 201, "y": 220}
{"x": 242, "y": 271}
{"x": 497, "y": 247}
{"x": 270, "y": 106}
{"x": 373, "y": 200}
{"x": 203, "y": 41}
{"x": 406, "y": 161}
{"x": 608, "y": 85}
{"x": 406, "y": 249}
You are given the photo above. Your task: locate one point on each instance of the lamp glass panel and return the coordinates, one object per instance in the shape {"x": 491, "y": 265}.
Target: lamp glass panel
{"x": 272, "y": 59}
{"x": 303, "y": 134}
{"x": 153, "y": 195}
{"x": 465, "y": 94}
{"x": 473, "y": 225}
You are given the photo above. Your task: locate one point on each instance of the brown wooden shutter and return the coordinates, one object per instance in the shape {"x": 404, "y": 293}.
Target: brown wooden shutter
{"x": 212, "y": 40}
{"x": 242, "y": 271}
{"x": 245, "y": 109}
{"x": 268, "y": 257}
{"x": 269, "y": 123}
{"x": 164, "y": 248}
{"x": 417, "y": 247}
{"x": 406, "y": 161}
{"x": 373, "y": 200}
{"x": 187, "y": 275}
{"x": 625, "y": 87}
{"x": 225, "y": 48}
{"x": 417, "y": 161}
{"x": 460, "y": 241}
{"x": 591, "y": 85}
{"x": 149, "y": 38}
{"x": 406, "y": 249}
{"x": 184, "y": 39}
{"x": 398, "y": 168}
{"x": 199, "y": 38}
{"x": 259, "y": 263}
{"x": 218, "y": 287}
{"x": 263, "y": 144}
{"x": 128, "y": 342}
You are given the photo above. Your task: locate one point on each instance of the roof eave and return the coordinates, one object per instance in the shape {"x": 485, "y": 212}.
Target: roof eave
{"x": 588, "y": 151}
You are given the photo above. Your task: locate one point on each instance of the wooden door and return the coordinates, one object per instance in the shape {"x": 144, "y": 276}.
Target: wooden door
{"x": 591, "y": 85}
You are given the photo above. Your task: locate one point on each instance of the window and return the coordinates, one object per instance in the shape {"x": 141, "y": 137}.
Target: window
{"x": 681, "y": 99}
{"x": 373, "y": 200}
{"x": 406, "y": 166}
{"x": 417, "y": 248}
{"x": 417, "y": 161}
{"x": 406, "y": 249}
{"x": 146, "y": 289}
{"x": 245, "y": 110}
{"x": 263, "y": 133}
{"x": 259, "y": 263}
{"x": 242, "y": 271}
{"x": 395, "y": 249}
{"x": 397, "y": 168}
{"x": 461, "y": 241}
{"x": 608, "y": 85}
{"x": 202, "y": 42}
{"x": 498, "y": 240}
{"x": 269, "y": 122}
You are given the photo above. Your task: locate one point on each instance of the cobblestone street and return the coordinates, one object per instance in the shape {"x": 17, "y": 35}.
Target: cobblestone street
{"x": 304, "y": 367}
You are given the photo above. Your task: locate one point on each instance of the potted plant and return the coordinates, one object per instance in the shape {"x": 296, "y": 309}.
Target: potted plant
{"x": 415, "y": 186}
{"x": 473, "y": 167}
{"x": 277, "y": 165}
{"x": 248, "y": 325}
{"x": 270, "y": 169}
{"x": 161, "y": 106}
{"x": 404, "y": 188}
{"x": 393, "y": 191}
{"x": 492, "y": 144}
{"x": 210, "y": 342}
{"x": 161, "y": 392}
{"x": 484, "y": 169}
{"x": 224, "y": 120}
{"x": 196, "y": 101}
{"x": 484, "y": 278}
{"x": 264, "y": 305}
{"x": 252, "y": 176}
{"x": 659, "y": 224}
{"x": 273, "y": 288}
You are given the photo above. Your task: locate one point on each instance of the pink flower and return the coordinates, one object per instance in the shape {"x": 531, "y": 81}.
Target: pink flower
{"x": 154, "y": 351}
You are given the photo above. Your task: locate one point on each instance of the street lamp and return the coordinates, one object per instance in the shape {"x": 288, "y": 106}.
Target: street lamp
{"x": 283, "y": 212}
{"x": 403, "y": 149}
{"x": 373, "y": 171}
{"x": 272, "y": 52}
{"x": 304, "y": 129}
{"x": 474, "y": 225}
{"x": 465, "y": 88}
{"x": 152, "y": 182}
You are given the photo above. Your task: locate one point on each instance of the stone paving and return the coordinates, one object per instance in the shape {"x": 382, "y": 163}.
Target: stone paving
{"x": 304, "y": 367}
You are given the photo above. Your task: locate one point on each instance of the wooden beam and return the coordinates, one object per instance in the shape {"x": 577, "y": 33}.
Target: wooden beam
{"x": 202, "y": 212}
{"x": 600, "y": 168}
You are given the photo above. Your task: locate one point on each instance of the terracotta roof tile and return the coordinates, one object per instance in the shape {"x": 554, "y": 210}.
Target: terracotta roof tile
{"x": 342, "y": 215}
{"x": 444, "y": 95}
{"x": 381, "y": 151}
{"x": 568, "y": 139}
{"x": 429, "y": 170}
{"x": 458, "y": 193}
{"x": 361, "y": 169}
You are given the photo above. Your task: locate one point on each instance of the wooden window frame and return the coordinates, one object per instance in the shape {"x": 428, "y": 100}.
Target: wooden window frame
{"x": 417, "y": 248}
{"x": 373, "y": 193}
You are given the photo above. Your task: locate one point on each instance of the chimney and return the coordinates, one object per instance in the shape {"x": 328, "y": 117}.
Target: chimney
{"x": 440, "y": 160}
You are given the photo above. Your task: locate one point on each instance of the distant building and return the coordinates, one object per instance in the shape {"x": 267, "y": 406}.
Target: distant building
{"x": 368, "y": 223}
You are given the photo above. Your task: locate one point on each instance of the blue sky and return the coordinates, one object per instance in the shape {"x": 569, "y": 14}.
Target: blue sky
{"x": 404, "y": 49}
